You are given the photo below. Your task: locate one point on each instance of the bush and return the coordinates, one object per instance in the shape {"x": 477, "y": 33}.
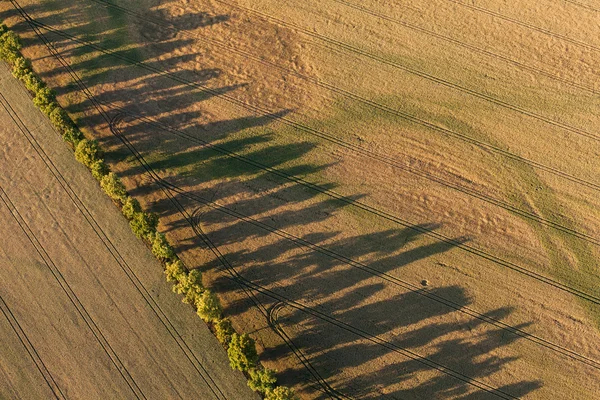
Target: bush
{"x": 144, "y": 224}
{"x": 60, "y": 120}
{"x": 208, "y": 306}
{"x": 99, "y": 170}
{"x": 3, "y": 28}
{"x": 224, "y": 330}
{"x": 190, "y": 285}
{"x": 88, "y": 152}
{"x": 45, "y": 100}
{"x": 32, "y": 82}
{"x": 262, "y": 380}
{"x": 175, "y": 271}
{"x": 21, "y": 67}
{"x": 9, "y": 46}
{"x": 113, "y": 187}
{"x": 242, "y": 352}
{"x": 161, "y": 248}
{"x": 131, "y": 207}
{"x": 281, "y": 393}
{"x": 74, "y": 136}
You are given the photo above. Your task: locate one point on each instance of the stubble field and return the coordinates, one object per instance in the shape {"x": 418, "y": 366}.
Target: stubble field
{"x": 396, "y": 199}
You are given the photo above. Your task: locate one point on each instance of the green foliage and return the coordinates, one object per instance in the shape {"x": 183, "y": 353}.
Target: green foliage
{"x": 175, "y": 271}
{"x": 144, "y": 224}
{"x": 88, "y": 152}
{"x": 130, "y": 207}
{"x": 224, "y": 330}
{"x": 45, "y": 100}
{"x": 281, "y": 393}
{"x": 21, "y": 67}
{"x": 208, "y": 306}
{"x": 242, "y": 352}
{"x": 113, "y": 187}
{"x": 60, "y": 120}
{"x": 190, "y": 285}
{"x": 161, "y": 247}
{"x": 32, "y": 82}
{"x": 74, "y": 136}
{"x": 9, "y": 46}
{"x": 3, "y": 28}
{"x": 262, "y": 380}
{"x": 99, "y": 169}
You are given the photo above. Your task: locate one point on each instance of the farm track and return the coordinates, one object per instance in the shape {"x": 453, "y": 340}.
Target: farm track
{"x": 116, "y": 361}
{"x": 526, "y": 24}
{"x": 578, "y": 4}
{"x": 14, "y": 323}
{"x": 112, "y": 249}
{"x": 388, "y": 160}
{"x": 345, "y": 260}
{"x": 421, "y": 74}
{"x": 74, "y": 75}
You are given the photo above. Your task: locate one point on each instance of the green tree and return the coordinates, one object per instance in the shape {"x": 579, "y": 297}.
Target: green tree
{"x": 99, "y": 169}
{"x": 208, "y": 306}
{"x": 224, "y": 330}
{"x": 242, "y": 352}
{"x": 175, "y": 271}
{"x": 9, "y": 46}
{"x": 88, "y": 152}
{"x": 60, "y": 120}
{"x": 161, "y": 247}
{"x": 281, "y": 393}
{"x": 262, "y": 380}
{"x": 190, "y": 285}
{"x": 144, "y": 224}
{"x": 32, "y": 82}
{"x": 21, "y": 67}
{"x": 45, "y": 100}
{"x": 74, "y": 136}
{"x": 112, "y": 186}
{"x": 131, "y": 207}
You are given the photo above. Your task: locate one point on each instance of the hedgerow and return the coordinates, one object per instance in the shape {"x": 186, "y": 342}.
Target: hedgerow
{"x": 241, "y": 349}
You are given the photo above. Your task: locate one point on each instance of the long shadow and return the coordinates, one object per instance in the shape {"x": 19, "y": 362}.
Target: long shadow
{"x": 247, "y": 212}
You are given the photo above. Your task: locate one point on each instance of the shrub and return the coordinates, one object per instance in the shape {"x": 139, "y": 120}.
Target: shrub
{"x": 208, "y": 306}
{"x": 60, "y": 119}
{"x": 144, "y": 224}
{"x": 99, "y": 169}
{"x": 113, "y": 187}
{"x": 32, "y": 82}
{"x": 242, "y": 352}
{"x": 74, "y": 136}
{"x": 21, "y": 67}
{"x": 88, "y": 152}
{"x": 281, "y": 393}
{"x": 3, "y": 28}
{"x": 45, "y": 100}
{"x": 9, "y": 46}
{"x": 262, "y": 380}
{"x": 161, "y": 248}
{"x": 130, "y": 207}
{"x": 175, "y": 271}
{"x": 190, "y": 285}
{"x": 224, "y": 330}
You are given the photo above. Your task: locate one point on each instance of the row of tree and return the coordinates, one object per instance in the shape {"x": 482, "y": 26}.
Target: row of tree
{"x": 241, "y": 349}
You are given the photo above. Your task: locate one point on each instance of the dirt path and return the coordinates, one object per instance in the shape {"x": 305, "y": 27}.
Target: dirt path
{"x": 86, "y": 312}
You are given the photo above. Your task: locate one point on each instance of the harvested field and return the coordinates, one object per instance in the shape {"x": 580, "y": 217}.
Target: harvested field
{"x": 86, "y": 312}
{"x": 395, "y": 199}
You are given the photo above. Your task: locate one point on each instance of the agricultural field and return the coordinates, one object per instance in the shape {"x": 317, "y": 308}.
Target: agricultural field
{"x": 395, "y": 199}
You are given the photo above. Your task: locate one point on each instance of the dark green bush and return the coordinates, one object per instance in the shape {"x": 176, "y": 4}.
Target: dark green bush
{"x": 74, "y": 136}
{"x": 99, "y": 169}
{"x": 190, "y": 285}
{"x": 144, "y": 224}
{"x": 262, "y": 380}
{"x": 21, "y": 67}
{"x": 45, "y": 100}
{"x": 88, "y": 152}
{"x": 224, "y": 330}
{"x": 32, "y": 82}
{"x": 242, "y": 352}
{"x": 161, "y": 247}
{"x": 60, "y": 120}
{"x": 175, "y": 271}
{"x": 130, "y": 207}
{"x": 208, "y": 306}
{"x": 281, "y": 393}
{"x": 113, "y": 187}
{"x": 9, "y": 46}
